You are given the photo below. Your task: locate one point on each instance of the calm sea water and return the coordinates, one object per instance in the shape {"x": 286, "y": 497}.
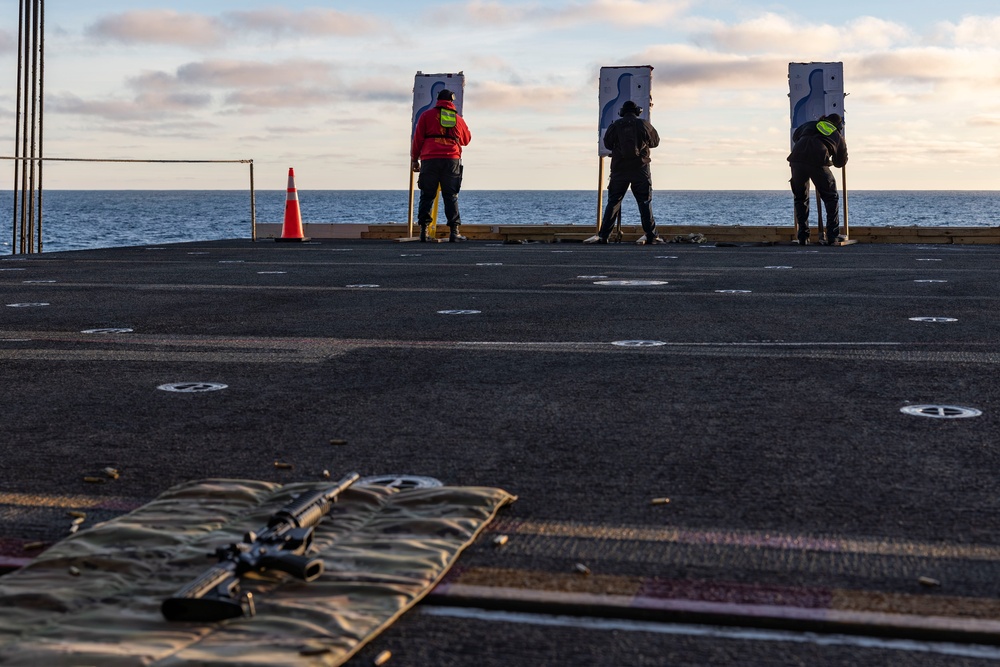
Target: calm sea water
{"x": 74, "y": 220}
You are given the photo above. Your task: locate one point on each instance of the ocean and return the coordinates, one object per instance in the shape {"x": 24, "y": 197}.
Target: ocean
{"x": 76, "y": 219}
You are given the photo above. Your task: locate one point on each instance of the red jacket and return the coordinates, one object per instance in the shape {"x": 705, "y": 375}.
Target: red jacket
{"x": 430, "y": 140}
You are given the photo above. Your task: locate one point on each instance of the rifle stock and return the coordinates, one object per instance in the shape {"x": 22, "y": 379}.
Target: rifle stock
{"x": 281, "y": 545}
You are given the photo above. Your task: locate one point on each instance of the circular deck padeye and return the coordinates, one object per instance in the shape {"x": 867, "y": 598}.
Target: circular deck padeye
{"x": 631, "y": 283}
{"x": 192, "y": 387}
{"x": 941, "y": 411}
{"x": 401, "y": 481}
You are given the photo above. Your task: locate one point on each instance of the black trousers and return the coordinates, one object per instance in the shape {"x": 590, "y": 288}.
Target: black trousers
{"x": 826, "y": 186}
{"x": 641, "y": 182}
{"x": 447, "y": 174}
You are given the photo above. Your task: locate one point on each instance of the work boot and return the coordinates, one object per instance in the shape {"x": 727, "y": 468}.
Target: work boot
{"x": 423, "y": 233}
{"x": 596, "y": 238}
{"x": 455, "y": 237}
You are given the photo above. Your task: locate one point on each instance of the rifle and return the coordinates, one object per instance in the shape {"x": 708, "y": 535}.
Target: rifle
{"x": 281, "y": 545}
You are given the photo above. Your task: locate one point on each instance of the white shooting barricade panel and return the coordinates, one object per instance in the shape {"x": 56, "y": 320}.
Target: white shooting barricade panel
{"x": 618, "y": 85}
{"x": 425, "y": 91}
{"x": 815, "y": 90}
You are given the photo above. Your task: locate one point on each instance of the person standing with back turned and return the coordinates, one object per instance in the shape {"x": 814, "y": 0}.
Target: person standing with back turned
{"x": 438, "y": 138}
{"x": 816, "y": 145}
{"x": 629, "y": 139}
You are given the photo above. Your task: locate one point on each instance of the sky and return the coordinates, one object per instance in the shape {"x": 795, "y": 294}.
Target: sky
{"x": 326, "y": 88}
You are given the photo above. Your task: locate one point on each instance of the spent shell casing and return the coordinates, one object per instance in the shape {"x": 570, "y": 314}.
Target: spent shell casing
{"x": 74, "y": 570}
{"x": 338, "y": 442}
{"x": 77, "y": 521}
{"x": 582, "y": 569}
{"x": 928, "y": 581}
{"x": 77, "y": 515}
{"x": 660, "y": 501}
{"x": 283, "y": 466}
{"x": 500, "y": 540}
{"x": 112, "y": 473}
{"x": 31, "y": 546}
{"x": 94, "y": 480}
{"x": 382, "y": 658}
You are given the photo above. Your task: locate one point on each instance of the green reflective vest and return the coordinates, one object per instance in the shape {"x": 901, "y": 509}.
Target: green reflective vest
{"x": 826, "y": 128}
{"x": 449, "y": 118}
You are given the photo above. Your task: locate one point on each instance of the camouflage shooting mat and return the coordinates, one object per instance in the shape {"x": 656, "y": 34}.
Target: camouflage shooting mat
{"x": 94, "y": 598}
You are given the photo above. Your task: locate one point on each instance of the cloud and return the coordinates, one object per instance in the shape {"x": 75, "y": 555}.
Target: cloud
{"x": 281, "y": 97}
{"x": 770, "y": 32}
{"x": 144, "y": 107}
{"x": 8, "y": 42}
{"x": 622, "y": 13}
{"x": 682, "y": 65}
{"x": 308, "y": 22}
{"x": 630, "y": 13}
{"x": 971, "y": 31}
{"x": 930, "y": 65}
{"x": 159, "y": 26}
{"x": 985, "y": 120}
{"x": 496, "y": 95}
{"x": 163, "y": 26}
{"x": 236, "y": 73}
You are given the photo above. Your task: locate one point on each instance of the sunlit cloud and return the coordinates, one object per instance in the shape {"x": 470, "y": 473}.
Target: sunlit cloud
{"x": 932, "y": 65}
{"x": 621, "y": 13}
{"x": 498, "y": 95}
{"x": 769, "y": 33}
{"x": 308, "y": 22}
{"x": 162, "y": 26}
{"x": 971, "y": 31}
{"x": 159, "y": 26}
{"x": 683, "y": 65}
{"x": 235, "y": 73}
{"x": 144, "y": 107}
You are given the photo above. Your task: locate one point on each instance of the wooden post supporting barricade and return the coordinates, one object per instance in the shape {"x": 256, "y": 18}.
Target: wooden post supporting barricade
{"x": 847, "y": 232}
{"x": 600, "y": 191}
{"x": 820, "y": 230}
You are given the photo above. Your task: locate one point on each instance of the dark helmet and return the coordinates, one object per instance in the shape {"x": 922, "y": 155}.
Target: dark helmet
{"x": 446, "y": 94}
{"x": 630, "y": 107}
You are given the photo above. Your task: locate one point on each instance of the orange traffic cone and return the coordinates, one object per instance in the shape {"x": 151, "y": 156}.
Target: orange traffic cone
{"x": 291, "y": 229}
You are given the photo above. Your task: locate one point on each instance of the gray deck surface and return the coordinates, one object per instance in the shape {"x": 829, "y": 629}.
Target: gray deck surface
{"x": 765, "y": 403}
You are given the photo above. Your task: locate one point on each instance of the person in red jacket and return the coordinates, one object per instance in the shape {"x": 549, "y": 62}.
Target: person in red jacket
{"x": 436, "y": 152}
